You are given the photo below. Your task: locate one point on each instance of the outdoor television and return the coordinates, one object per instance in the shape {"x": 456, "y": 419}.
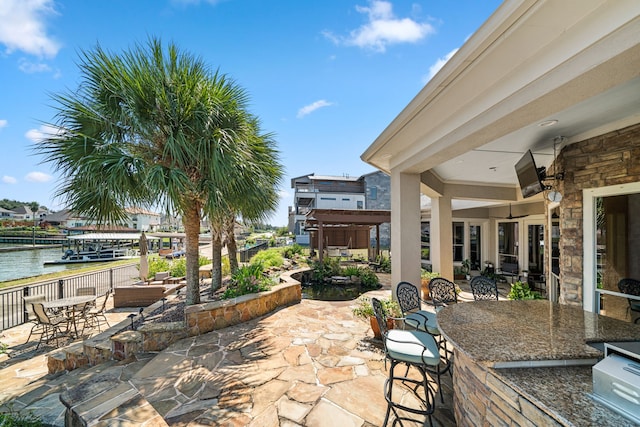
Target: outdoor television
{"x": 529, "y": 176}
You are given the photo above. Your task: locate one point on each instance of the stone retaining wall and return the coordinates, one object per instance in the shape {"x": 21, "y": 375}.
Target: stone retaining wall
{"x": 481, "y": 398}
{"x": 207, "y": 317}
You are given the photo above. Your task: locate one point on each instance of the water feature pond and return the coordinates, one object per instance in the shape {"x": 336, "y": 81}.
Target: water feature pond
{"x": 332, "y": 292}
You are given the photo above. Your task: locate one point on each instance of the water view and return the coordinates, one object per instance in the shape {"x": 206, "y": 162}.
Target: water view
{"x": 29, "y": 263}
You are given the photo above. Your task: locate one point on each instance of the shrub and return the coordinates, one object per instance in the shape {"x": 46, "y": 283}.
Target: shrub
{"x": 385, "y": 264}
{"x": 16, "y": 418}
{"x": 369, "y": 279}
{"x": 521, "y": 291}
{"x": 329, "y": 267}
{"x": 268, "y": 258}
{"x": 157, "y": 264}
{"x": 248, "y": 279}
{"x": 178, "y": 267}
{"x": 364, "y": 309}
{"x": 290, "y": 252}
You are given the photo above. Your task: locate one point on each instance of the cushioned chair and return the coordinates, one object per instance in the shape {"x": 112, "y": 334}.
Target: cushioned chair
{"x": 484, "y": 288}
{"x": 442, "y": 292}
{"x": 414, "y": 349}
{"x": 410, "y": 304}
{"x": 631, "y": 287}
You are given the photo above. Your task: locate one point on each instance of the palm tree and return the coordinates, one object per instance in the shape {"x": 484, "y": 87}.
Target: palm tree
{"x": 254, "y": 200}
{"x": 150, "y": 127}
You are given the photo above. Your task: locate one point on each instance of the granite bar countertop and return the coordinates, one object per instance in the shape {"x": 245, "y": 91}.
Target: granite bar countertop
{"x": 521, "y": 334}
{"x": 565, "y": 392}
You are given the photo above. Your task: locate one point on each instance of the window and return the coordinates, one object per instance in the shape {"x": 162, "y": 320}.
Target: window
{"x": 458, "y": 241}
{"x": 327, "y": 198}
{"x": 475, "y": 245}
{"x": 373, "y": 193}
{"x": 507, "y": 243}
{"x": 425, "y": 243}
{"x": 359, "y": 204}
{"x": 345, "y": 199}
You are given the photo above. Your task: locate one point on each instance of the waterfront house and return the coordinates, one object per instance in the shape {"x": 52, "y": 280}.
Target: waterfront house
{"x": 559, "y": 79}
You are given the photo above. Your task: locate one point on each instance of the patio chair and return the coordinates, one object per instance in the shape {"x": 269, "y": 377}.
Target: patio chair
{"x": 95, "y": 316}
{"x": 414, "y": 349}
{"x": 442, "y": 292}
{"x": 30, "y": 315}
{"x": 631, "y": 287}
{"x": 421, "y": 320}
{"x": 51, "y": 325}
{"x": 484, "y": 288}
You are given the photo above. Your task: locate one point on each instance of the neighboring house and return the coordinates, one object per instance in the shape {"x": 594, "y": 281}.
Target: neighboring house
{"x": 23, "y": 213}
{"x": 143, "y": 220}
{"x": 66, "y": 219}
{"x": 6, "y": 213}
{"x": 378, "y": 197}
{"x": 312, "y": 191}
{"x": 561, "y": 81}
{"x": 322, "y": 192}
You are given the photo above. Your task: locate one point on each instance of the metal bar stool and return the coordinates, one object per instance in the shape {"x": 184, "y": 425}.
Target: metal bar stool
{"x": 424, "y": 321}
{"x": 415, "y": 349}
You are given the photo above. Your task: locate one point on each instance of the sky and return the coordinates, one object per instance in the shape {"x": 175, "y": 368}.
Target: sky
{"x": 325, "y": 77}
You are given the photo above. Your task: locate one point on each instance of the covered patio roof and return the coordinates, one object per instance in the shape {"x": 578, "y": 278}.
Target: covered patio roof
{"x": 321, "y": 219}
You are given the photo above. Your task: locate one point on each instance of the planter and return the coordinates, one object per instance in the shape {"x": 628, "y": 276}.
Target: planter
{"x": 424, "y": 284}
{"x": 376, "y": 330}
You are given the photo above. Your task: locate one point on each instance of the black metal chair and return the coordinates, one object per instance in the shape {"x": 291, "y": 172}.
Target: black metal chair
{"x": 421, "y": 320}
{"x": 442, "y": 292}
{"x": 414, "y": 349}
{"x": 631, "y": 287}
{"x": 484, "y": 288}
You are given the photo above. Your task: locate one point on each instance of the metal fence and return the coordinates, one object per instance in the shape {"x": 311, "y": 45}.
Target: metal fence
{"x": 12, "y": 304}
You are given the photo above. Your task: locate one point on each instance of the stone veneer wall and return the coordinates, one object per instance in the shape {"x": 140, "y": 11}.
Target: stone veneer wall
{"x": 609, "y": 159}
{"x": 206, "y": 317}
{"x": 480, "y": 398}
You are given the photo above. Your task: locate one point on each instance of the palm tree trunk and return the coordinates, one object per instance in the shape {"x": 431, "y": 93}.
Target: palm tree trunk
{"x": 216, "y": 259}
{"x": 232, "y": 247}
{"x": 191, "y": 222}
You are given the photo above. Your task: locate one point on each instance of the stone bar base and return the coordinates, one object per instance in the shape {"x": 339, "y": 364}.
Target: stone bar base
{"x": 207, "y": 317}
{"x": 481, "y": 398}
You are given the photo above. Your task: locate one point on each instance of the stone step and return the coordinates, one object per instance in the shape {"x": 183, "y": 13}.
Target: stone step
{"x": 105, "y": 393}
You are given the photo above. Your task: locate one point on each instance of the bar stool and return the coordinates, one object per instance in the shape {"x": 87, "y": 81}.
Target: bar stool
{"x": 424, "y": 321}
{"x": 414, "y": 349}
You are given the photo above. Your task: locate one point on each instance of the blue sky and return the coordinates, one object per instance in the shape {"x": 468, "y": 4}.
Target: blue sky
{"x": 325, "y": 76}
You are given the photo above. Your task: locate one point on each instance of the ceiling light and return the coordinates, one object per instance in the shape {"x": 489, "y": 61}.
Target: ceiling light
{"x": 547, "y": 123}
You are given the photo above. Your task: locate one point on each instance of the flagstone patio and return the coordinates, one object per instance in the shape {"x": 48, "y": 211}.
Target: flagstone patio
{"x": 310, "y": 364}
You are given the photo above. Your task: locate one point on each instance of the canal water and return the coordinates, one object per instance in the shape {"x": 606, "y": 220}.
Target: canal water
{"x": 28, "y": 263}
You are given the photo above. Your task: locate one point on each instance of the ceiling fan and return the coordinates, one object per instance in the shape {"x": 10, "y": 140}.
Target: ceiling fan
{"x": 513, "y": 216}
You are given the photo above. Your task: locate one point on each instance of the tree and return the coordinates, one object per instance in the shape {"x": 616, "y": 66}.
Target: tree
{"x": 151, "y": 127}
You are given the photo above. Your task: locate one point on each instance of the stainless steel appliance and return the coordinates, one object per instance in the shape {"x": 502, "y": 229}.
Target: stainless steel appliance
{"x": 616, "y": 379}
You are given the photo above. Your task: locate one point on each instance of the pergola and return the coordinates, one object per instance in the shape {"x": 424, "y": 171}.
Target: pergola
{"x": 350, "y": 221}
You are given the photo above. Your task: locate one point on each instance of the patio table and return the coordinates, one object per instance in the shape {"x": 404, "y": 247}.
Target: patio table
{"x": 70, "y": 304}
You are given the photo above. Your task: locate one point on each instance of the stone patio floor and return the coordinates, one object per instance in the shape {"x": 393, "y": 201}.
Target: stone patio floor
{"x": 310, "y": 364}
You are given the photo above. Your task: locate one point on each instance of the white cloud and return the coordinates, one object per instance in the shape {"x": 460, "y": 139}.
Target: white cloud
{"x": 382, "y": 29}
{"x": 3, "y": 123}
{"x": 37, "y": 177}
{"x": 32, "y": 67}
{"x": 433, "y": 70}
{"x": 308, "y": 109}
{"x": 44, "y": 131}
{"x": 9, "y": 180}
{"x": 23, "y": 27}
